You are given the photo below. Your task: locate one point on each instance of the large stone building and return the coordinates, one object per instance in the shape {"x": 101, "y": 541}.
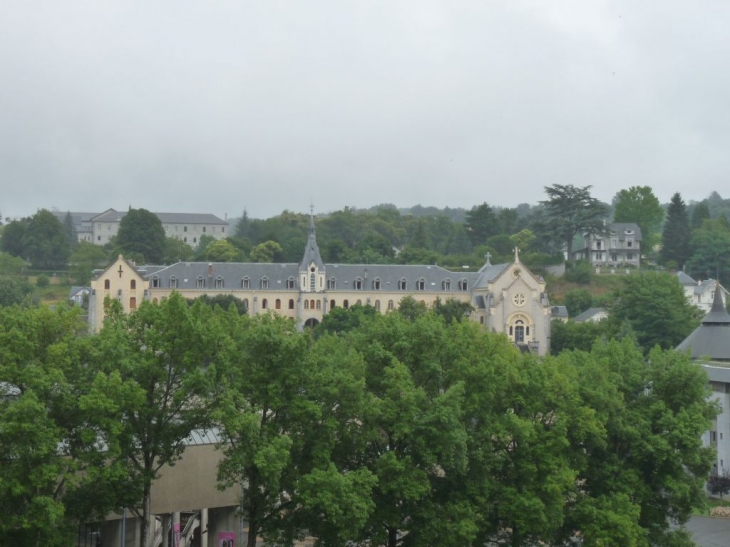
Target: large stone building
{"x": 99, "y": 228}
{"x": 507, "y": 298}
{"x": 619, "y": 246}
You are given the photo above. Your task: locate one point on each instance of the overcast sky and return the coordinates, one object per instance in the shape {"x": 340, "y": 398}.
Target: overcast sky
{"x": 211, "y": 107}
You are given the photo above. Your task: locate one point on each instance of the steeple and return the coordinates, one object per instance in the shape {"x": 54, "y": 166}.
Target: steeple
{"x": 718, "y": 315}
{"x": 311, "y": 251}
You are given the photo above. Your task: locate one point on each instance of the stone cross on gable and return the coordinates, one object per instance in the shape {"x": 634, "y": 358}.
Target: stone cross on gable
{"x": 488, "y": 256}
{"x": 120, "y": 271}
{"x": 517, "y": 254}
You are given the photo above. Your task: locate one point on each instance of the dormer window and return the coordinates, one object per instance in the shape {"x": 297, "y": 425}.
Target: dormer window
{"x": 155, "y": 282}
{"x": 446, "y": 284}
{"x": 218, "y": 282}
{"x": 331, "y": 283}
{"x": 246, "y": 283}
{"x": 376, "y": 284}
{"x": 402, "y": 284}
{"x": 421, "y": 285}
{"x": 290, "y": 283}
{"x": 264, "y": 282}
{"x": 357, "y": 285}
{"x": 463, "y": 285}
{"x": 200, "y": 283}
{"x": 173, "y": 282}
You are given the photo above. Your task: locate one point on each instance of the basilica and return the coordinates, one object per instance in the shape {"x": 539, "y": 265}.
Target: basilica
{"x": 505, "y": 298}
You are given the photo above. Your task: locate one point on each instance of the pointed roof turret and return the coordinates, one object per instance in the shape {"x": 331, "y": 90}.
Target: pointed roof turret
{"x": 712, "y": 338}
{"x": 311, "y": 251}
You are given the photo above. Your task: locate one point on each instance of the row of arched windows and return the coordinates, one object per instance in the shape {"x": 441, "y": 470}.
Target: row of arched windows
{"x": 132, "y": 284}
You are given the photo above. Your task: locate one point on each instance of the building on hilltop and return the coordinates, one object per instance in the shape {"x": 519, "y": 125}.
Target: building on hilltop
{"x": 507, "y": 298}
{"x": 709, "y": 344}
{"x": 619, "y": 246}
{"x": 701, "y": 293}
{"x": 99, "y": 228}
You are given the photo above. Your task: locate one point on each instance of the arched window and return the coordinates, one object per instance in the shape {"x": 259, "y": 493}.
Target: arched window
{"x": 290, "y": 283}
{"x": 421, "y": 285}
{"x": 278, "y": 304}
{"x": 358, "y": 284}
{"x": 463, "y": 285}
{"x": 155, "y": 282}
{"x": 331, "y": 283}
{"x": 154, "y": 300}
{"x": 446, "y": 284}
{"x": 246, "y": 283}
{"x": 306, "y": 304}
{"x": 390, "y": 305}
{"x": 264, "y": 282}
{"x": 359, "y": 302}
{"x": 376, "y": 284}
{"x": 319, "y": 304}
{"x": 200, "y": 283}
{"x": 377, "y": 305}
{"x": 107, "y": 284}
{"x": 311, "y": 304}
{"x": 312, "y": 282}
{"x": 519, "y": 332}
{"x": 291, "y": 303}
{"x": 332, "y": 304}
{"x": 245, "y": 303}
{"x": 133, "y": 303}
{"x": 218, "y": 282}
{"x": 173, "y": 282}
{"x": 133, "y": 284}
{"x": 345, "y": 304}
{"x": 264, "y": 304}
{"x": 402, "y": 284}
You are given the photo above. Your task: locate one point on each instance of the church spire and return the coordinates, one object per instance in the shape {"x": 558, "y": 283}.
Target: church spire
{"x": 311, "y": 251}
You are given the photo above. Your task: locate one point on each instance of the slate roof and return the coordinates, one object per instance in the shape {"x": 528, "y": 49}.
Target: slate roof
{"x": 684, "y": 279}
{"x": 345, "y": 275}
{"x": 77, "y": 219}
{"x": 619, "y": 229}
{"x": 588, "y": 314}
{"x": 111, "y": 215}
{"x": 75, "y": 290}
{"x": 712, "y": 337}
{"x": 559, "y": 312}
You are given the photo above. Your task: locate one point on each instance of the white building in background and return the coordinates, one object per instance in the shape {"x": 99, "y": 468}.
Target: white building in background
{"x": 701, "y": 293}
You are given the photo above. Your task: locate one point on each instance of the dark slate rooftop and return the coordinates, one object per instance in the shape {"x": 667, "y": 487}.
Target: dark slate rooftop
{"x": 684, "y": 279}
{"x": 624, "y": 229}
{"x": 712, "y": 338}
{"x": 588, "y": 314}
{"x": 345, "y": 275}
{"x": 111, "y": 215}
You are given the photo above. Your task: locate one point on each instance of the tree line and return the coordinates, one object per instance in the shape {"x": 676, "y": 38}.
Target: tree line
{"x": 412, "y": 428}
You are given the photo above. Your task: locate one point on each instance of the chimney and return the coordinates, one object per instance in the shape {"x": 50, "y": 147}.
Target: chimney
{"x": 210, "y": 270}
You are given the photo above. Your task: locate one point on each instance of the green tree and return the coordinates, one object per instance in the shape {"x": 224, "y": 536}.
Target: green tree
{"x": 266, "y": 252}
{"x": 638, "y": 204}
{"x": 676, "y": 235}
{"x": 48, "y": 455}
{"x": 12, "y": 237}
{"x": 524, "y": 240}
{"x": 452, "y": 310}
{"x": 643, "y": 469}
{"x": 262, "y": 408}
{"x": 84, "y": 260}
{"x": 700, "y": 214}
{"x": 577, "y": 301}
{"x": 710, "y": 247}
{"x": 243, "y": 225}
{"x": 575, "y": 336}
{"x": 341, "y": 320}
{"x": 653, "y": 304}
{"x": 571, "y": 211}
{"x": 481, "y": 224}
{"x": 141, "y": 233}
{"x": 176, "y": 250}
{"x": 222, "y": 251}
{"x": 156, "y": 369}
{"x": 45, "y": 243}
{"x": 15, "y": 290}
{"x": 71, "y": 235}
{"x": 224, "y": 301}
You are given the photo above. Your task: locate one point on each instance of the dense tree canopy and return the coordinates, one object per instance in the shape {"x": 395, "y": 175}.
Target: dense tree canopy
{"x": 45, "y": 243}
{"x": 141, "y": 236}
{"x": 639, "y": 204}
{"x": 571, "y": 211}
{"x": 677, "y": 234}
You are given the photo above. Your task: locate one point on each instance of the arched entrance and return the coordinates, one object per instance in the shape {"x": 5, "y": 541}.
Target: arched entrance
{"x": 520, "y": 329}
{"x": 311, "y": 323}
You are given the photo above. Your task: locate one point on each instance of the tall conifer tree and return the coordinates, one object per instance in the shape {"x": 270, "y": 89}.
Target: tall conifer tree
{"x": 677, "y": 233}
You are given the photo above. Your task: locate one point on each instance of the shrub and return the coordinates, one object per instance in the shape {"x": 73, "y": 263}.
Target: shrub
{"x": 42, "y": 281}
